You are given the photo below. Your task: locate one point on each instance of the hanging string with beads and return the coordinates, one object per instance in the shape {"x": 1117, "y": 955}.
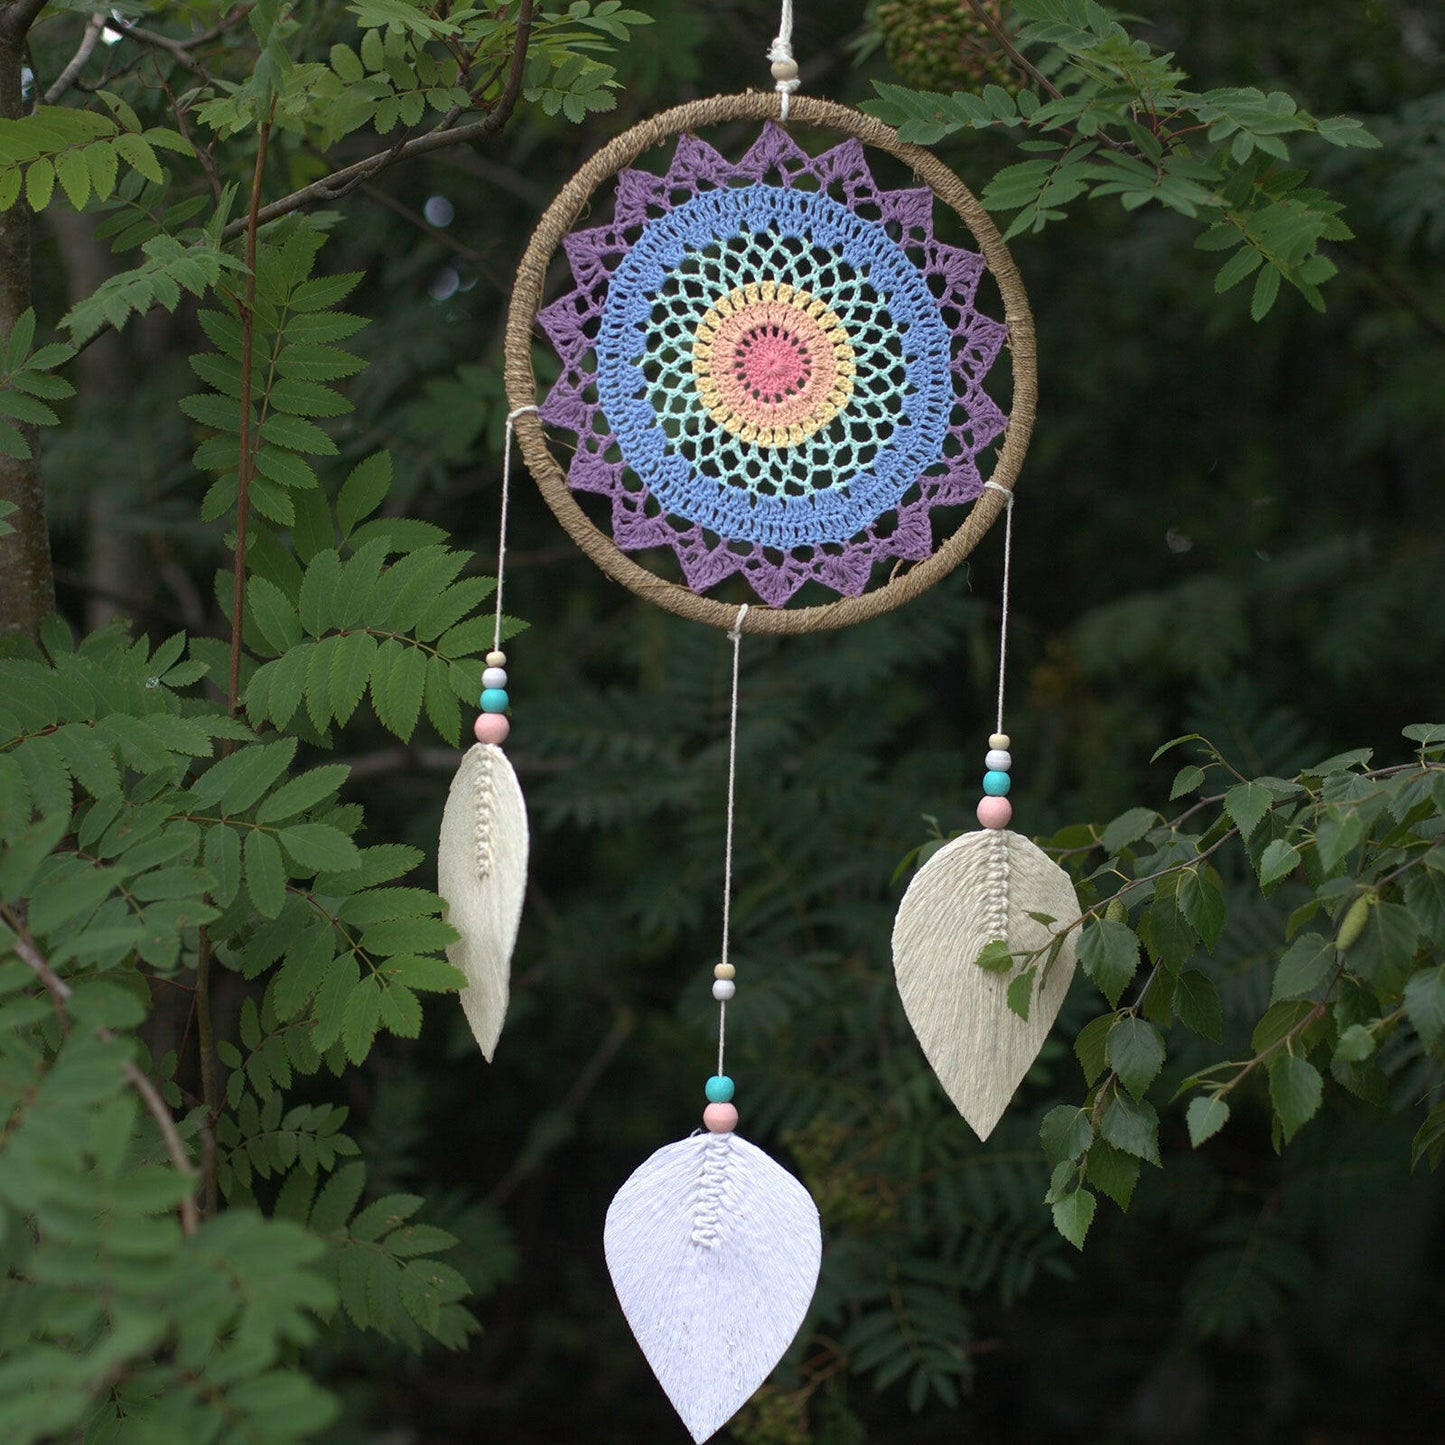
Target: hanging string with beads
{"x": 994, "y": 808}
{"x": 785, "y": 68}
{"x": 492, "y": 725}
{"x": 720, "y": 1116}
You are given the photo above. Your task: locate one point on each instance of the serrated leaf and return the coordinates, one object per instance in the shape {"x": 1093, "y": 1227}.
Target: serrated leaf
{"x": 1295, "y": 1089}
{"x": 1135, "y": 1053}
{"x": 363, "y": 491}
{"x": 1073, "y": 1214}
{"x": 1201, "y": 900}
{"x": 1091, "y": 1046}
{"x": 1277, "y": 861}
{"x": 1133, "y": 1126}
{"x": 1196, "y": 1002}
{"x": 1425, "y": 1004}
{"x": 1066, "y": 1132}
{"x": 1112, "y": 1172}
{"x": 1109, "y": 954}
{"x": 1304, "y": 966}
{"x": 318, "y": 847}
{"x": 265, "y": 873}
{"x": 1206, "y": 1116}
{"x": 302, "y": 793}
{"x": 1246, "y": 804}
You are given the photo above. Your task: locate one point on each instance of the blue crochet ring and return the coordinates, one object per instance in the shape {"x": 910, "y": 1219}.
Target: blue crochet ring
{"x": 833, "y": 484}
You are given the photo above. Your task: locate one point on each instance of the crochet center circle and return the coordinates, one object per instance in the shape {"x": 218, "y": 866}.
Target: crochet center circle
{"x": 772, "y": 364}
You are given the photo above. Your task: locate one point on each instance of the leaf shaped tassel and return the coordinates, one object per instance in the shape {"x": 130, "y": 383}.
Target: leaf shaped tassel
{"x": 482, "y": 875}
{"x": 714, "y": 1252}
{"x": 978, "y": 888}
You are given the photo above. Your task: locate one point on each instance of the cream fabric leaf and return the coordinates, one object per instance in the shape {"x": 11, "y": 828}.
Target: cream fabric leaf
{"x": 714, "y": 1252}
{"x": 981, "y": 887}
{"x": 482, "y": 875}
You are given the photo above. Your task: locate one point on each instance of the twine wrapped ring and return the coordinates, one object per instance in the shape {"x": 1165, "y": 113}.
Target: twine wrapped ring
{"x": 769, "y": 369}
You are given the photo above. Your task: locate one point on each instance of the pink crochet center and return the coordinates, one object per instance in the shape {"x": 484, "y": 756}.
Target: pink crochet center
{"x": 773, "y": 366}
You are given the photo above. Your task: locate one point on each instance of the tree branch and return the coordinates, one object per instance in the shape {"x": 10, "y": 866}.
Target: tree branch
{"x": 16, "y": 19}
{"x": 341, "y": 182}
{"x": 67, "y": 77}
{"x": 1016, "y": 58}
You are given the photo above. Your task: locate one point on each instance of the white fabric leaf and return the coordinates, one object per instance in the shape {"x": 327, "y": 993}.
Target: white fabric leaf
{"x": 482, "y": 875}
{"x": 714, "y": 1252}
{"x": 981, "y": 887}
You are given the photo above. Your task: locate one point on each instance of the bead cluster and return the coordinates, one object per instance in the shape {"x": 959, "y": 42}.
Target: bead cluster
{"x": 492, "y": 725}
{"x": 994, "y": 809}
{"x": 720, "y": 1117}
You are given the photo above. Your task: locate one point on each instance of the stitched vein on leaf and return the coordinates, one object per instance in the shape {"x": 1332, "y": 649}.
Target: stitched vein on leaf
{"x": 711, "y": 1186}
{"x": 482, "y": 811}
{"x": 996, "y": 915}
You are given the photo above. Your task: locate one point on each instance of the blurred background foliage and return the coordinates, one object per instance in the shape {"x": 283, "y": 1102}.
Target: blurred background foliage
{"x": 1223, "y": 527}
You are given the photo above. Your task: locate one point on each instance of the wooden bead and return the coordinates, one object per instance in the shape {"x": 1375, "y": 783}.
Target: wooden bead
{"x": 720, "y": 1118}
{"x": 998, "y": 740}
{"x": 724, "y": 970}
{"x": 496, "y": 659}
{"x": 785, "y": 70}
{"x": 994, "y": 812}
{"x": 491, "y": 727}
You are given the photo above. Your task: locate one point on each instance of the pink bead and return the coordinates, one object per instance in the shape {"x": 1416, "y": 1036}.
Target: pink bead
{"x": 720, "y": 1118}
{"x": 994, "y": 812}
{"x": 491, "y": 727}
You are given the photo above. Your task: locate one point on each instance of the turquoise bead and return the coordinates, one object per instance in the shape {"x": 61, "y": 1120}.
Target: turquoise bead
{"x": 995, "y": 783}
{"x": 495, "y": 699}
{"x": 719, "y": 1089}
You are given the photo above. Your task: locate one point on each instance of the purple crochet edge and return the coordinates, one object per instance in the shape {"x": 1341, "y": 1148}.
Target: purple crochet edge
{"x": 903, "y": 532}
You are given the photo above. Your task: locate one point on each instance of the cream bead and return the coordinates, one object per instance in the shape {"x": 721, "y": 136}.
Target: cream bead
{"x": 724, "y": 970}
{"x": 999, "y": 741}
{"x": 496, "y": 659}
{"x": 785, "y": 70}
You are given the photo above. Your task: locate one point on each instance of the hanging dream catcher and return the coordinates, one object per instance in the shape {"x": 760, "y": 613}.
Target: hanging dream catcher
{"x": 778, "y": 383}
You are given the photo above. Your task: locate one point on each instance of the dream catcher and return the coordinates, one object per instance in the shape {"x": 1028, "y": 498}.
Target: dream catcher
{"x": 775, "y": 382}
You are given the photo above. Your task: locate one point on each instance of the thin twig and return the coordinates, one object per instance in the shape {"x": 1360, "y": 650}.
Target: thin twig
{"x": 1016, "y": 57}
{"x": 247, "y": 460}
{"x": 67, "y": 77}
{"x": 60, "y": 992}
{"x": 176, "y": 49}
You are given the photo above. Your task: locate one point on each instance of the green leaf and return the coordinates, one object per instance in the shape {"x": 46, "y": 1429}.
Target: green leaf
{"x": 1429, "y": 1141}
{"x": 318, "y": 847}
{"x": 1128, "y": 828}
{"x": 274, "y": 615}
{"x": 1133, "y": 1126}
{"x": 1109, "y": 954}
{"x": 1136, "y": 1053}
{"x": 1246, "y": 804}
{"x": 1112, "y": 1172}
{"x": 1295, "y": 1088}
{"x": 361, "y": 1019}
{"x": 1356, "y": 1044}
{"x": 1020, "y": 992}
{"x": 1279, "y": 1021}
{"x": 1201, "y": 900}
{"x": 995, "y": 957}
{"x": 1277, "y": 861}
{"x": 265, "y": 873}
{"x": 1305, "y": 965}
{"x": 1091, "y": 1046}
{"x": 1206, "y": 1116}
{"x": 1425, "y": 1004}
{"x": 1065, "y": 1133}
{"x": 302, "y": 793}
{"x": 1196, "y": 1001}
{"x": 337, "y": 1200}
{"x": 236, "y": 782}
{"x": 1186, "y": 780}
{"x": 1073, "y": 1214}
{"x": 223, "y": 859}
{"x": 363, "y": 491}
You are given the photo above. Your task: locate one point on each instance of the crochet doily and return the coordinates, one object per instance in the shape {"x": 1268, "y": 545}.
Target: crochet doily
{"x": 773, "y": 367}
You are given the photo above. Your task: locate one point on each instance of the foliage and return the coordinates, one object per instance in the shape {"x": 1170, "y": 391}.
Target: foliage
{"x": 1340, "y": 844}
{"x": 240, "y": 1193}
{"x": 1112, "y": 116}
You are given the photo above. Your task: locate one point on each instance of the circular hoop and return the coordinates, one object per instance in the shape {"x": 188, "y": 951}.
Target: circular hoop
{"x": 521, "y": 381}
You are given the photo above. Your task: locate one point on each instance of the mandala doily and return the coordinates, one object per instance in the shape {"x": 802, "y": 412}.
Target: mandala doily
{"x": 771, "y": 366}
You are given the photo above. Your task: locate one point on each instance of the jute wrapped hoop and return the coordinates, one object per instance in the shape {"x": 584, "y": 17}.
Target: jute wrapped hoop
{"x": 521, "y": 381}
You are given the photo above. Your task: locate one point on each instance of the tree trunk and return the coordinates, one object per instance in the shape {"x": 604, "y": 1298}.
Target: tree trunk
{"x": 27, "y": 582}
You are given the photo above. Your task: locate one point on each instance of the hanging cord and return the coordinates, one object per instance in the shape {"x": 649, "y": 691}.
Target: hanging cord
{"x": 785, "y": 68}
{"x": 1008, "y": 541}
{"x": 735, "y": 636}
{"x": 502, "y": 524}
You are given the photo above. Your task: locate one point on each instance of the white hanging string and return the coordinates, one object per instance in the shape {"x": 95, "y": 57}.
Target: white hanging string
{"x": 1008, "y": 540}
{"x": 735, "y": 636}
{"x": 502, "y": 524}
{"x": 785, "y": 68}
